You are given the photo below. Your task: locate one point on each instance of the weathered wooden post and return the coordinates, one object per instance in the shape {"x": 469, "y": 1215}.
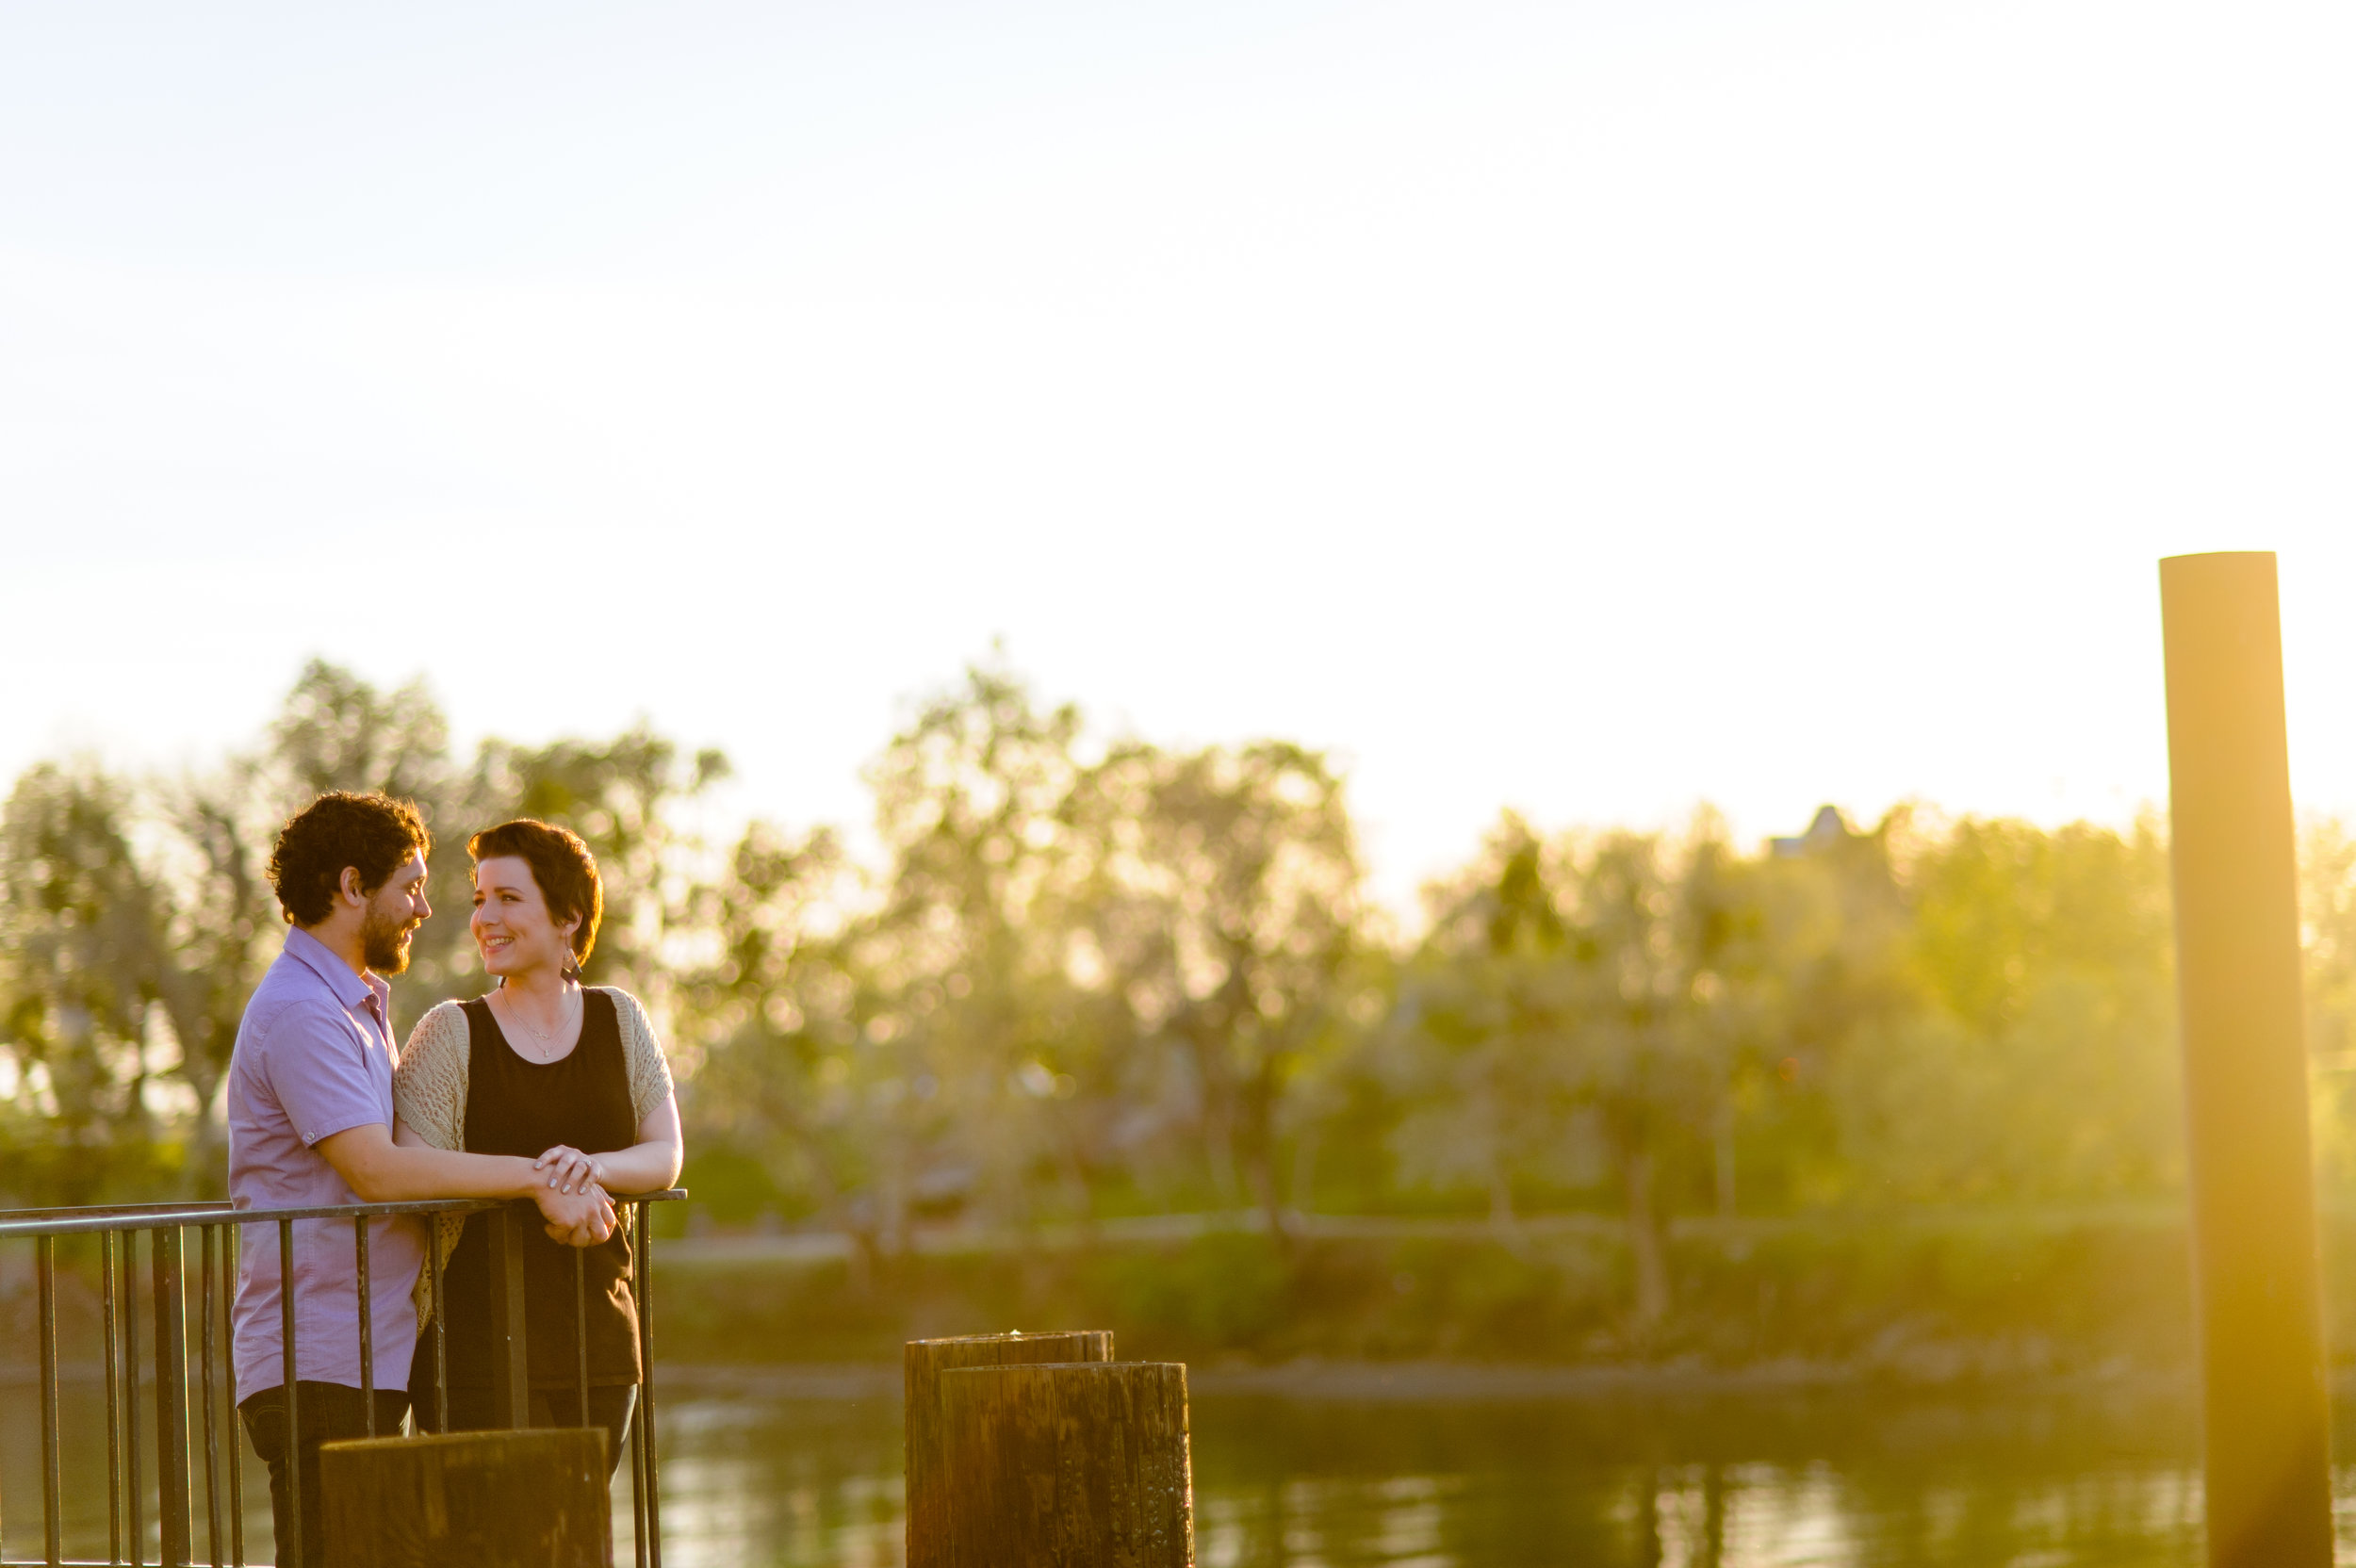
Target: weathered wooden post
{"x": 923, "y": 1361}
{"x": 2267, "y": 1414}
{"x": 536, "y": 1497}
{"x": 1072, "y": 1466}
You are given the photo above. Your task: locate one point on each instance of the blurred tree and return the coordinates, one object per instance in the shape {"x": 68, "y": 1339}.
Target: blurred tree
{"x": 1060, "y": 964}
{"x": 1221, "y": 898}
{"x": 1645, "y": 1019}
{"x": 959, "y": 969}
{"x": 785, "y": 1095}
{"x": 2327, "y": 908}
{"x": 1489, "y": 1099}
{"x": 334, "y": 731}
{"x": 2044, "y": 1033}
{"x": 84, "y": 960}
{"x": 220, "y": 933}
{"x": 1828, "y": 967}
{"x": 1606, "y": 1002}
{"x": 1079, "y": 975}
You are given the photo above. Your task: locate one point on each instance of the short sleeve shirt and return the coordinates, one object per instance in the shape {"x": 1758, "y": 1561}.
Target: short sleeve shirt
{"x": 315, "y": 1057}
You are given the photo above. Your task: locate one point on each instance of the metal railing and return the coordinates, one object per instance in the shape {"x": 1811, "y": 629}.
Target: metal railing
{"x": 218, "y": 1228}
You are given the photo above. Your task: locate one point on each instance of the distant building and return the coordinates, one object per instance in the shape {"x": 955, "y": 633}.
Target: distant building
{"x": 1830, "y": 827}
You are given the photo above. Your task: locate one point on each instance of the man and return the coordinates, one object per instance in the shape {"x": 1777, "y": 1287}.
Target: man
{"x": 310, "y": 1111}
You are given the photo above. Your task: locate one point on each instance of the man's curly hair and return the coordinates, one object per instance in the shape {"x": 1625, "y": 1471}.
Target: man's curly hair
{"x": 372, "y": 834}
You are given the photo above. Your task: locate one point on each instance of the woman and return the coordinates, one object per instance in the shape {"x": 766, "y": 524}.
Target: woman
{"x": 567, "y": 1075}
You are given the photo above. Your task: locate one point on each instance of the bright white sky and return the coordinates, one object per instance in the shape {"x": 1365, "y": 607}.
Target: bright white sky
{"x": 1593, "y": 408}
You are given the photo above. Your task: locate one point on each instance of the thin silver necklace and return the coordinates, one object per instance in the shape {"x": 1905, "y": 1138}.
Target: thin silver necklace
{"x": 543, "y": 1036}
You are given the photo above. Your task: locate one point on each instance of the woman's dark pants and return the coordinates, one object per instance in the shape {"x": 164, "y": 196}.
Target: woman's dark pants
{"x": 610, "y": 1406}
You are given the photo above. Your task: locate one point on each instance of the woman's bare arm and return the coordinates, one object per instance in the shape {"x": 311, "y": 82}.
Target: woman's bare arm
{"x": 650, "y": 1164}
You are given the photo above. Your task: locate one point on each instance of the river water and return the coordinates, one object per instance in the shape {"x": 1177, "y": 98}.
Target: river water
{"x": 760, "y": 1473}
{"x": 1755, "y": 1481}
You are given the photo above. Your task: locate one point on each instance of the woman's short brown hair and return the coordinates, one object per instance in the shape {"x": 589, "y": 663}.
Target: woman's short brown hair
{"x": 561, "y": 864}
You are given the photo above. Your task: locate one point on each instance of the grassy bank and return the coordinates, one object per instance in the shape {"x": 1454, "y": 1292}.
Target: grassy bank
{"x": 1925, "y": 1297}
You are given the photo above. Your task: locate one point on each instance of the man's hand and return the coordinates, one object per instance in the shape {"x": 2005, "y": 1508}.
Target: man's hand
{"x": 583, "y": 1218}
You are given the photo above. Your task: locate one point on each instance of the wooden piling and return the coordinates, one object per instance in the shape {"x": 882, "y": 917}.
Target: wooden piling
{"x": 923, "y": 1361}
{"x": 2265, "y": 1408}
{"x": 1068, "y": 1466}
{"x": 536, "y": 1497}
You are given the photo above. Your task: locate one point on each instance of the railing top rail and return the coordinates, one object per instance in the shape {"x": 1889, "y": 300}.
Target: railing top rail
{"x": 87, "y": 1210}
{"x": 171, "y": 1217}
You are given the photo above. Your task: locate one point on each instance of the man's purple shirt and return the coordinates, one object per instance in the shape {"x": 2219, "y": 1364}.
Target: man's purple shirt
{"x": 315, "y": 1057}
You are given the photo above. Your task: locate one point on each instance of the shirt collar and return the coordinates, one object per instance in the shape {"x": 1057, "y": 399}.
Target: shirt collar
{"x": 351, "y": 991}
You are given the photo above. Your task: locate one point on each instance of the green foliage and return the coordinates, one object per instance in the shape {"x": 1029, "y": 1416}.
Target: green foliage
{"x": 2046, "y": 1018}
{"x": 1085, "y": 976}
{"x": 1216, "y": 914}
{"x": 1609, "y": 1007}
{"x": 1071, "y": 974}
{"x": 83, "y": 952}
{"x": 1941, "y": 1298}
{"x": 734, "y": 1187}
{"x": 1232, "y": 1290}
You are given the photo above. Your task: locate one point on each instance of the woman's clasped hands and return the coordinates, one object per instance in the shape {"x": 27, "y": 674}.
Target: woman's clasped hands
{"x": 577, "y": 1210}
{"x": 569, "y": 1170}
{"x": 582, "y": 1219}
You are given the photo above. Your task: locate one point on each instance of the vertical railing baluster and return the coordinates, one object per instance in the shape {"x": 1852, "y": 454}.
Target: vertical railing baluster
{"x": 114, "y": 1396}
{"x": 178, "y": 1445}
{"x": 134, "y": 1491}
{"x": 581, "y": 1329}
{"x": 645, "y": 1291}
{"x": 636, "y": 1438}
{"x": 172, "y": 1396}
{"x": 630, "y": 1214}
{"x": 232, "y": 1246}
{"x": 289, "y": 1552}
{"x": 441, "y": 1343}
{"x": 367, "y": 1324}
{"x": 511, "y": 1367}
{"x": 206, "y": 1240}
{"x": 52, "y": 1492}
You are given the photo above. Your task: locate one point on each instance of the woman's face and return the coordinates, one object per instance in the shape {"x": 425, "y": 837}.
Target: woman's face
{"x": 512, "y": 927}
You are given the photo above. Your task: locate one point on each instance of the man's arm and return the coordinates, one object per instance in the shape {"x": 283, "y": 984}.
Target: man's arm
{"x": 384, "y": 1172}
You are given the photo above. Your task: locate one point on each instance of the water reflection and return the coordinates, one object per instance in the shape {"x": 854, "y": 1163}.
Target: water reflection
{"x": 1844, "y": 1480}
{"x": 759, "y": 1481}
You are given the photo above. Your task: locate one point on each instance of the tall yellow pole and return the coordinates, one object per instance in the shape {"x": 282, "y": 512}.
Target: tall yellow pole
{"x": 2267, "y": 1414}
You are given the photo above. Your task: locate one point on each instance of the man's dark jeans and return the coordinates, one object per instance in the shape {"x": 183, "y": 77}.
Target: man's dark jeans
{"x": 325, "y": 1413}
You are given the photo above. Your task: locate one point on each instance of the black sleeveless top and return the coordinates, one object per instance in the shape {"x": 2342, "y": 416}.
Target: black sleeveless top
{"x": 520, "y": 1107}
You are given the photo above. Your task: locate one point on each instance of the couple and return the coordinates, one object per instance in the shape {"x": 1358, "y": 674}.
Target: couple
{"x": 545, "y": 1088}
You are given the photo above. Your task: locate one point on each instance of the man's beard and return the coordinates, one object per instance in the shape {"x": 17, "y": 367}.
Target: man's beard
{"x": 384, "y": 944}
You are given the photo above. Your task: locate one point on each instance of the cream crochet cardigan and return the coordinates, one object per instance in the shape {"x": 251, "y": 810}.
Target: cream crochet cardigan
{"x": 430, "y": 1091}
